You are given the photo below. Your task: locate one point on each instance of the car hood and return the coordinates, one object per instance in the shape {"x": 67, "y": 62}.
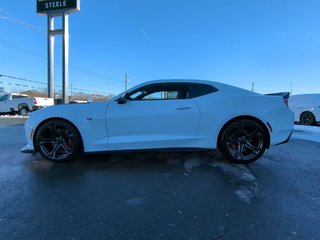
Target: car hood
{"x": 67, "y": 111}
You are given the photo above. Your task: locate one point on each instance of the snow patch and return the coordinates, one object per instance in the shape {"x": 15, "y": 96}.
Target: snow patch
{"x": 306, "y": 133}
{"x": 191, "y": 163}
{"x": 240, "y": 172}
{"x": 244, "y": 195}
{"x": 13, "y": 116}
{"x": 136, "y": 201}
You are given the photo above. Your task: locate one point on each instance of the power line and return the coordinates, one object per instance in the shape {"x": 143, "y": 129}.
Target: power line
{"x": 39, "y": 55}
{"x": 33, "y": 81}
{"x": 9, "y": 17}
{"x": 21, "y": 48}
{"x": 22, "y": 79}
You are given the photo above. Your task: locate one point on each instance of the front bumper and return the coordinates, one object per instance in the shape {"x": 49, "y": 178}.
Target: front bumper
{"x": 27, "y": 149}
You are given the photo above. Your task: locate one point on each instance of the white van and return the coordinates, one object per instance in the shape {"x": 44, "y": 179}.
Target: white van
{"x": 306, "y": 108}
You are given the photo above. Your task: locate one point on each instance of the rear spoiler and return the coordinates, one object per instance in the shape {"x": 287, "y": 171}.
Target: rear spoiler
{"x": 284, "y": 95}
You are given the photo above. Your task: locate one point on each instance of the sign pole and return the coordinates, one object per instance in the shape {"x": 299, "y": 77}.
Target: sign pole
{"x": 50, "y": 56}
{"x": 58, "y": 8}
{"x": 65, "y": 58}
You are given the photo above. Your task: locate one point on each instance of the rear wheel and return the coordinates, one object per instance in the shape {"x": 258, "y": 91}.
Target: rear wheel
{"x": 23, "y": 111}
{"x": 58, "y": 140}
{"x": 307, "y": 118}
{"x": 243, "y": 141}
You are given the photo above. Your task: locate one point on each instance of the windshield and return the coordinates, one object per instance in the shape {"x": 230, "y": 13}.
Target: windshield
{"x": 4, "y": 97}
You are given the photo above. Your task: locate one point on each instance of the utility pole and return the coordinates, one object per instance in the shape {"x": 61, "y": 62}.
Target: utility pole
{"x": 291, "y": 89}
{"x": 126, "y": 82}
{"x": 71, "y": 91}
{"x": 252, "y": 87}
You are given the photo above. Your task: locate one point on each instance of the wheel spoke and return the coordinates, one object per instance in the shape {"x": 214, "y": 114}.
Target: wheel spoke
{"x": 240, "y": 151}
{"x": 66, "y": 149}
{"x": 232, "y": 141}
{"x": 47, "y": 141}
{"x": 254, "y": 135}
{"x": 55, "y": 150}
{"x": 254, "y": 149}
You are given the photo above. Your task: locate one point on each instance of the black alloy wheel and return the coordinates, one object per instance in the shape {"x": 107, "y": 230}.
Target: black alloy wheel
{"x": 243, "y": 141}
{"x": 58, "y": 141}
{"x": 307, "y": 118}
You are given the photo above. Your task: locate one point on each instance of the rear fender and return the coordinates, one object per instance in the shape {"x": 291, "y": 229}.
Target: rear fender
{"x": 266, "y": 127}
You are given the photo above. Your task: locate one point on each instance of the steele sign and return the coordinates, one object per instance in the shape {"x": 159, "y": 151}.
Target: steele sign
{"x": 57, "y": 6}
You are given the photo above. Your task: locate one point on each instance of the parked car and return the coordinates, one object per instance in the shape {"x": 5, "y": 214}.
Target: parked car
{"x": 22, "y": 104}
{"x": 306, "y": 108}
{"x": 164, "y": 114}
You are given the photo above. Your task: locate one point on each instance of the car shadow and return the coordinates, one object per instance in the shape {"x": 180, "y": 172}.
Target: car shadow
{"x": 122, "y": 161}
{"x": 149, "y": 168}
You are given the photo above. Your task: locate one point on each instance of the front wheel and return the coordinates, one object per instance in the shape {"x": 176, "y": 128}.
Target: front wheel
{"x": 58, "y": 140}
{"x": 243, "y": 141}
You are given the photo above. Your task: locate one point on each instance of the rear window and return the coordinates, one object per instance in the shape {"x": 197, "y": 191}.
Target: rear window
{"x": 19, "y": 96}
{"x": 199, "y": 89}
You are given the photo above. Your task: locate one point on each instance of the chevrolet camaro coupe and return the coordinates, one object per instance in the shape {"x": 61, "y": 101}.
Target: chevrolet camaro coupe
{"x": 164, "y": 114}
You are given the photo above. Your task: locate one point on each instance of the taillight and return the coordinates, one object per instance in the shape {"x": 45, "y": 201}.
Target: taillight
{"x": 35, "y": 101}
{"x": 286, "y": 102}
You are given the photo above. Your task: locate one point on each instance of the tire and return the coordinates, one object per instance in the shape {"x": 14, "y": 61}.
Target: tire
{"x": 58, "y": 141}
{"x": 243, "y": 141}
{"x": 307, "y": 118}
{"x": 23, "y": 111}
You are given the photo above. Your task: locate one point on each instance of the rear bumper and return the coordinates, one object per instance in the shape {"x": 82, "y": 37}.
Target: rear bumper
{"x": 287, "y": 140}
{"x": 34, "y": 108}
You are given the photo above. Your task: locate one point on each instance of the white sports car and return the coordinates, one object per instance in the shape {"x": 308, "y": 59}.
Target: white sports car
{"x": 306, "y": 108}
{"x": 164, "y": 114}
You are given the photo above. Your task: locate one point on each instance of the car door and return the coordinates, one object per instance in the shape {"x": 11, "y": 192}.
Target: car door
{"x": 154, "y": 116}
{"x": 4, "y": 106}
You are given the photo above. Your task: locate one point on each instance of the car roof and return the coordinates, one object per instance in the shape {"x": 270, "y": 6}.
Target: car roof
{"x": 225, "y": 88}
{"x": 305, "y": 99}
{"x": 220, "y": 86}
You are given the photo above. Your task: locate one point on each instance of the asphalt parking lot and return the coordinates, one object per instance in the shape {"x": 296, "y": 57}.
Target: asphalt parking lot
{"x": 158, "y": 195}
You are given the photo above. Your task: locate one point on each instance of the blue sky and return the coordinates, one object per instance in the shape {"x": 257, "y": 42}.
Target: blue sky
{"x": 271, "y": 43}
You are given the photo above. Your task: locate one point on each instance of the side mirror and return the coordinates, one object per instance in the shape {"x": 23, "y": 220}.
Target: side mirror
{"x": 125, "y": 98}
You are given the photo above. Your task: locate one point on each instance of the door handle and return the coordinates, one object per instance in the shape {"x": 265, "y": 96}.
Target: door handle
{"x": 183, "y": 108}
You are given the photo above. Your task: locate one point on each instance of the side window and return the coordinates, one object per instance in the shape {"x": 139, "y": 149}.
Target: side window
{"x": 4, "y": 97}
{"x": 200, "y": 89}
{"x": 164, "y": 91}
{"x": 161, "y": 95}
